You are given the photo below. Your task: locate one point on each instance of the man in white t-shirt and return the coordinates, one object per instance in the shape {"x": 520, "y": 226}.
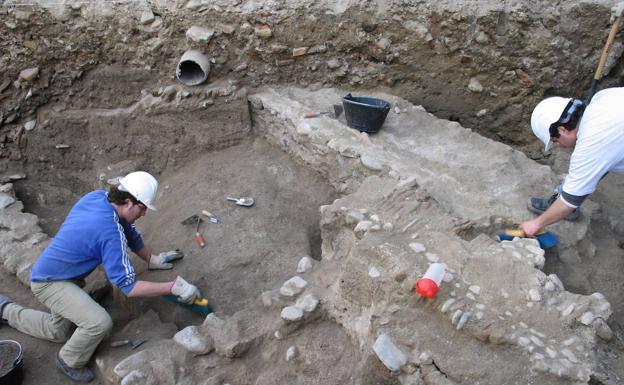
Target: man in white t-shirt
{"x": 596, "y": 133}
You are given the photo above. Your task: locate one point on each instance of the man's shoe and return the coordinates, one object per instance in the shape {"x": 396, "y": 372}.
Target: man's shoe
{"x": 4, "y": 300}
{"x": 77, "y": 374}
{"x": 539, "y": 205}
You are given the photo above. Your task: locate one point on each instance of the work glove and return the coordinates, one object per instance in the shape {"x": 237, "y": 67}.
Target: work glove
{"x": 617, "y": 10}
{"x": 162, "y": 261}
{"x": 185, "y": 292}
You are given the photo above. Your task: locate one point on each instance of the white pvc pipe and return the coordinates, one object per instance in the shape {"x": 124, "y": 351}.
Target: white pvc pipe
{"x": 193, "y": 68}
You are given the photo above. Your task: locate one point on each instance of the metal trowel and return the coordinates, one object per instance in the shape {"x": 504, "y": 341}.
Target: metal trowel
{"x": 243, "y": 201}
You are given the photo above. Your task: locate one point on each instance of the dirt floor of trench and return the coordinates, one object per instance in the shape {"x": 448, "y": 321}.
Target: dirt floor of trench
{"x": 252, "y": 250}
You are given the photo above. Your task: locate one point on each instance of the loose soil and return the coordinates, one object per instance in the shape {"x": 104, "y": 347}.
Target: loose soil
{"x": 254, "y": 248}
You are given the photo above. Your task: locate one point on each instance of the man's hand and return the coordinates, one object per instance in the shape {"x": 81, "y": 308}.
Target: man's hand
{"x": 163, "y": 261}
{"x": 185, "y": 292}
{"x": 530, "y": 227}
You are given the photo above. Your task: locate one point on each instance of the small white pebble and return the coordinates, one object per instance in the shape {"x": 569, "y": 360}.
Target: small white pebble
{"x": 568, "y": 310}
{"x": 462, "y": 321}
{"x": 569, "y": 355}
{"x": 456, "y": 316}
{"x": 537, "y": 341}
{"x": 534, "y": 295}
{"x": 475, "y": 289}
{"x": 587, "y": 318}
{"x": 524, "y": 342}
{"x": 292, "y": 353}
{"x": 417, "y": 247}
{"x": 551, "y": 352}
{"x": 373, "y": 272}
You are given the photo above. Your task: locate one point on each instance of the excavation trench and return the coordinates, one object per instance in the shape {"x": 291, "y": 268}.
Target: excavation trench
{"x": 252, "y": 250}
{"x": 363, "y": 205}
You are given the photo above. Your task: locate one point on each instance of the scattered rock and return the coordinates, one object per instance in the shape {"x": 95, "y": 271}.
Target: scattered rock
{"x": 147, "y": 17}
{"x": 475, "y": 289}
{"x": 29, "y": 74}
{"x": 291, "y": 353}
{"x": 373, "y": 272}
{"x": 307, "y": 303}
{"x": 354, "y": 216}
{"x": 293, "y": 286}
{"x": 199, "y": 34}
{"x": 135, "y": 377}
{"x": 30, "y": 125}
{"x": 482, "y": 38}
{"x": 305, "y": 264}
{"x": 534, "y": 295}
{"x": 6, "y": 200}
{"x": 192, "y": 339}
{"x": 371, "y": 163}
{"x": 587, "y": 318}
{"x": 417, "y": 247}
{"x": 363, "y": 226}
{"x": 292, "y": 313}
{"x": 475, "y": 86}
{"x": 602, "y": 329}
{"x": 333, "y": 64}
{"x": 389, "y": 354}
{"x": 300, "y": 51}
{"x": 263, "y": 31}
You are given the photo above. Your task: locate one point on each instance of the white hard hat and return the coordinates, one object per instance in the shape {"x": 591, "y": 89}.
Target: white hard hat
{"x": 547, "y": 112}
{"x": 142, "y": 186}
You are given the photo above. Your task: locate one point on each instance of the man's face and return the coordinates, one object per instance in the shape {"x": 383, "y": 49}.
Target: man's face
{"x": 131, "y": 211}
{"x": 567, "y": 138}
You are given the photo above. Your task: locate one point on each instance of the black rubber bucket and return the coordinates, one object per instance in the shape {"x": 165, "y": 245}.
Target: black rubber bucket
{"x": 365, "y": 114}
{"x": 11, "y": 371}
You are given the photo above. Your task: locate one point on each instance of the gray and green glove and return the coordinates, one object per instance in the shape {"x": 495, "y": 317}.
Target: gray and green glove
{"x": 163, "y": 261}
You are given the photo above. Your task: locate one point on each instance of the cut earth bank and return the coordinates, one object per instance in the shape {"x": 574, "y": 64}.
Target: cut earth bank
{"x": 484, "y": 64}
{"x": 421, "y": 190}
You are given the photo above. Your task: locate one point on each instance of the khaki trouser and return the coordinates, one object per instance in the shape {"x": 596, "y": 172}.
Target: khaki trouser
{"x": 68, "y": 304}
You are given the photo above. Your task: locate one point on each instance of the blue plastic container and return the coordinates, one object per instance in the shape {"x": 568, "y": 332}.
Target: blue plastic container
{"x": 365, "y": 114}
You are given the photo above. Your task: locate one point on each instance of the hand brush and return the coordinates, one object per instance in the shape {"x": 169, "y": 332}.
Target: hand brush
{"x": 545, "y": 238}
{"x": 200, "y": 306}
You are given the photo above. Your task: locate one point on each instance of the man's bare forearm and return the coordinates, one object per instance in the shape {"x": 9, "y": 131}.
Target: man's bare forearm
{"x": 150, "y": 289}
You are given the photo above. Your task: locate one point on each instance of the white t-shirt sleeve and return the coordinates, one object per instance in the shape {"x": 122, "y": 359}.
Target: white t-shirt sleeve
{"x": 600, "y": 145}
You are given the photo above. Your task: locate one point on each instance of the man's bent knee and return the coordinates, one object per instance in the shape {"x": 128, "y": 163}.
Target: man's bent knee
{"x": 62, "y": 332}
{"x": 103, "y": 326}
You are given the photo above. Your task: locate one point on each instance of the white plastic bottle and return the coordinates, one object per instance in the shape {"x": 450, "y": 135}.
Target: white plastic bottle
{"x": 429, "y": 285}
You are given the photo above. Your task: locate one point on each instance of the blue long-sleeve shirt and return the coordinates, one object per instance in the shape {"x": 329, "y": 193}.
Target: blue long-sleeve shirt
{"x": 92, "y": 235}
